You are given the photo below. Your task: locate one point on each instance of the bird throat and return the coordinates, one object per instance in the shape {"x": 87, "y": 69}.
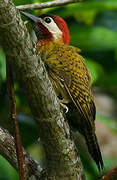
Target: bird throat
{"x": 41, "y": 32}
{"x": 44, "y": 47}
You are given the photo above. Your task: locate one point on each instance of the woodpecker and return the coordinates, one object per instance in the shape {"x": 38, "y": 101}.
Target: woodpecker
{"x": 69, "y": 76}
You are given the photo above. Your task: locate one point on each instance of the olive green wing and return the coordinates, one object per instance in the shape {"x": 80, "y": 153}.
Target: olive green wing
{"x": 84, "y": 104}
{"x": 70, "y": 71}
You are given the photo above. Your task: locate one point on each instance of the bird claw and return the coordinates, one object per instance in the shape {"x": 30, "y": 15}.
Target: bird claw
{"x": 64, "y": 107}
{"x": 62, "y": 101}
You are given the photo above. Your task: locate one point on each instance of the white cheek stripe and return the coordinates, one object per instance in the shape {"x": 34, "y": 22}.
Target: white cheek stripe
{"x": 53, "y": 28}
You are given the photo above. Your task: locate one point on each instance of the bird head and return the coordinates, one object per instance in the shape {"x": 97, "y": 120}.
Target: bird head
{"x": 49, "y": 27}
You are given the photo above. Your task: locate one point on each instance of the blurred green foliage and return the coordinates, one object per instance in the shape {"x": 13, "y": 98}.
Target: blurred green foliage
{"x": 7, "y": 172}
{"x": 93, "y": 28}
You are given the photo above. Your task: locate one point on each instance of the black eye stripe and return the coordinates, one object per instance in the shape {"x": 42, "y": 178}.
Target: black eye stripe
{"x": 47, "y": 20}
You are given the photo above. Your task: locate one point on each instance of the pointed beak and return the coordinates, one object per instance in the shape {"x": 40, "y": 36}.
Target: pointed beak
{"x": 32, "y": 18}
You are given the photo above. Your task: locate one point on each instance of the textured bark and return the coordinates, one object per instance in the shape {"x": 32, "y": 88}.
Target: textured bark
{"x": 63, "y": 161}
{"x": 8, "y": 151}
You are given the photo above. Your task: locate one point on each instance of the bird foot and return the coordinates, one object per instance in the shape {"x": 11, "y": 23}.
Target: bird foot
{"x": 66, "y": 109}
{"x": 62, "y": 101}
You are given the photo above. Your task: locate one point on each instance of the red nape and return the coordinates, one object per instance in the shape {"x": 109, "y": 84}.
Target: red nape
{"x": 64, "y": 28}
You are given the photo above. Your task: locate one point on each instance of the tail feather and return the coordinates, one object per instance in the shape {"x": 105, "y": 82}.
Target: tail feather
{"x": 94, "y": 150}
{"x": 77, "y": 122}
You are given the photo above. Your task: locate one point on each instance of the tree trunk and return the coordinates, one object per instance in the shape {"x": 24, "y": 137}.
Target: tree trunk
{"x": 63, "y": 161}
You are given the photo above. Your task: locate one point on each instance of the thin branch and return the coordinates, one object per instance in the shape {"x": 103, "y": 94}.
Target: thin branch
{"x": 13, "y": 113}
{"x": 8, "y": 151}
{"x": 46, "y": 4}
{"x": 111, "y": 175}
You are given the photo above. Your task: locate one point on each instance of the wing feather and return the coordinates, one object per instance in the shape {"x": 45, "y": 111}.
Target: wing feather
{"x": 70, "y": 70}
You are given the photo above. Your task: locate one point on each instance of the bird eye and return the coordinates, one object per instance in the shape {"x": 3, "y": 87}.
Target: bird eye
{"x": 47, "y": 20}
